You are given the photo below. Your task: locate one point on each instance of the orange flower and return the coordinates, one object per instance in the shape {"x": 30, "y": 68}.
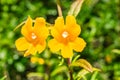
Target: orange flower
{"x": 34, "y": 39}
{"x": 66, "y": 37}
{"x": 37, "y": 60}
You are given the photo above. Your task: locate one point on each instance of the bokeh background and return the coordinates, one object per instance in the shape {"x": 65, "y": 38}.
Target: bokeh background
{"x": 100, "y": 23}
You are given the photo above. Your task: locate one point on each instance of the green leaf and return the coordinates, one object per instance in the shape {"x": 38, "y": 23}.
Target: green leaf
{"x": 61, "y": 62}
{"x": 81, "y": 73}
{"x": 35, "y": 75}
{"x": 83, "y": 63}
{"x": 58, "y": 70}
{"x": 20, "y": 67}
{"x": 75, "y": 58}
{"x": 96, "y": 69}
{"x": 94, "y": 75}
{"x": 75, "y": 7}
{"x": 3, "y": 78}
{"x": 117, "y": 51}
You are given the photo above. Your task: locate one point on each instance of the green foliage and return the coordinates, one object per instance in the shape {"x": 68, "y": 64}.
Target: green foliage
{"x": 3, "y": 78}
{"x": 75, "y": 7}
{"x": 60, "y": 69}
{"x": 99, "y": 20}
{"x": 83, "y": 63}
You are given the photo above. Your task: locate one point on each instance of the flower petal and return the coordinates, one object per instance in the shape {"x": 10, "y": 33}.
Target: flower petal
{"x": 79, "y": 44}
{"x": 40, "y": 29}
{"x": 58, "y": 28}
{"x": 59, "y": 24}
{"x": 37, "y": 59}
{"x": 22, "y": 44}
{"x": 33, "y": 59}
{"x": 32, "y": 50}
{"x": 67, "y": 51}
{"x": 72, "y": 27}
{"x": 26, "y": 53}
{"x": 41, "y": 61}
{"x": 39, "y": 22}
{"x": 70, "y": 20}
{"x": 27, "y": 28}
{"x": 55, "y": 34}
{"x": 54, "y": 45}
{"x": 40, "y": 48}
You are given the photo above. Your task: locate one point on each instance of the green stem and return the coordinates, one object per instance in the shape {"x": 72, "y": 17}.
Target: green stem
{"x": 70, "y": 71}
{"x": 19, "y": 25}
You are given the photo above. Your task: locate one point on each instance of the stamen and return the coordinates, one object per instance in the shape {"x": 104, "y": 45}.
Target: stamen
{"x": 65, "y": 34}
{"x": 33, "y": 36}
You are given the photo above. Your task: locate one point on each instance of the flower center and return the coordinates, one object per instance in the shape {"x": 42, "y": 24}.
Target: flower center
{"x": 33, "y": 36}
{"x": 65, "y": 34}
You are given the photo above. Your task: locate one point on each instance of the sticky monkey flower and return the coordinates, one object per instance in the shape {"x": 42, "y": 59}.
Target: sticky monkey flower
{"x": 34, "y": 36}
{"x": 65, "y": 37}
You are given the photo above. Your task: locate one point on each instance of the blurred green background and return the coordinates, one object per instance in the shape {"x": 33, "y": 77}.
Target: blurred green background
{"x": 100, "y": 23}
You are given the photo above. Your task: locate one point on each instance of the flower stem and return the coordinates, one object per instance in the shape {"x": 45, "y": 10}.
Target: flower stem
{"x": 19, "y": 25}
{"x": 59, "y": 8}
{"x": 70, "y": 71}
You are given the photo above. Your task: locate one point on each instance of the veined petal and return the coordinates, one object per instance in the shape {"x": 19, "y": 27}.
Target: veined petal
{"x": 72, "y": 27}
{"x": 67, "y": 51}
{"x": 27, "y": 28}
{"x": 40, "y": 48}
{"x": 22, "y": 44}
{"x": 79, "y": 44}
{"x": 59, "y": 24}
{"x": 54, "y": 45}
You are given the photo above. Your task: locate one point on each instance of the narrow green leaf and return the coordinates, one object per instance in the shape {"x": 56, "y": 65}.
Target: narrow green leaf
{"x": 117, "y": 51}
{"x": 35, "y": 75}
{"x": 31, "y": 74}
{"x": 81, "y": 73}
{"x": 75, "y": 7}
{"x": 19, "y": 25}
{"x": 96, "y": 69}
{"x": 94, "y": 75}
{"x": 58, "y": 70}
{"x": 3, "y": 78}
{"x": 61, "y": 62}
{"x": 83, "y": 63}
{"x": 75, "y": 58}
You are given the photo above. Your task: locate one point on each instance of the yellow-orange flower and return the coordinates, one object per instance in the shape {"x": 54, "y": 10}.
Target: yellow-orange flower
{"x": 34, "y": 39}
{"x": 65, "y": 37}
{"x": 37, "y": 60}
